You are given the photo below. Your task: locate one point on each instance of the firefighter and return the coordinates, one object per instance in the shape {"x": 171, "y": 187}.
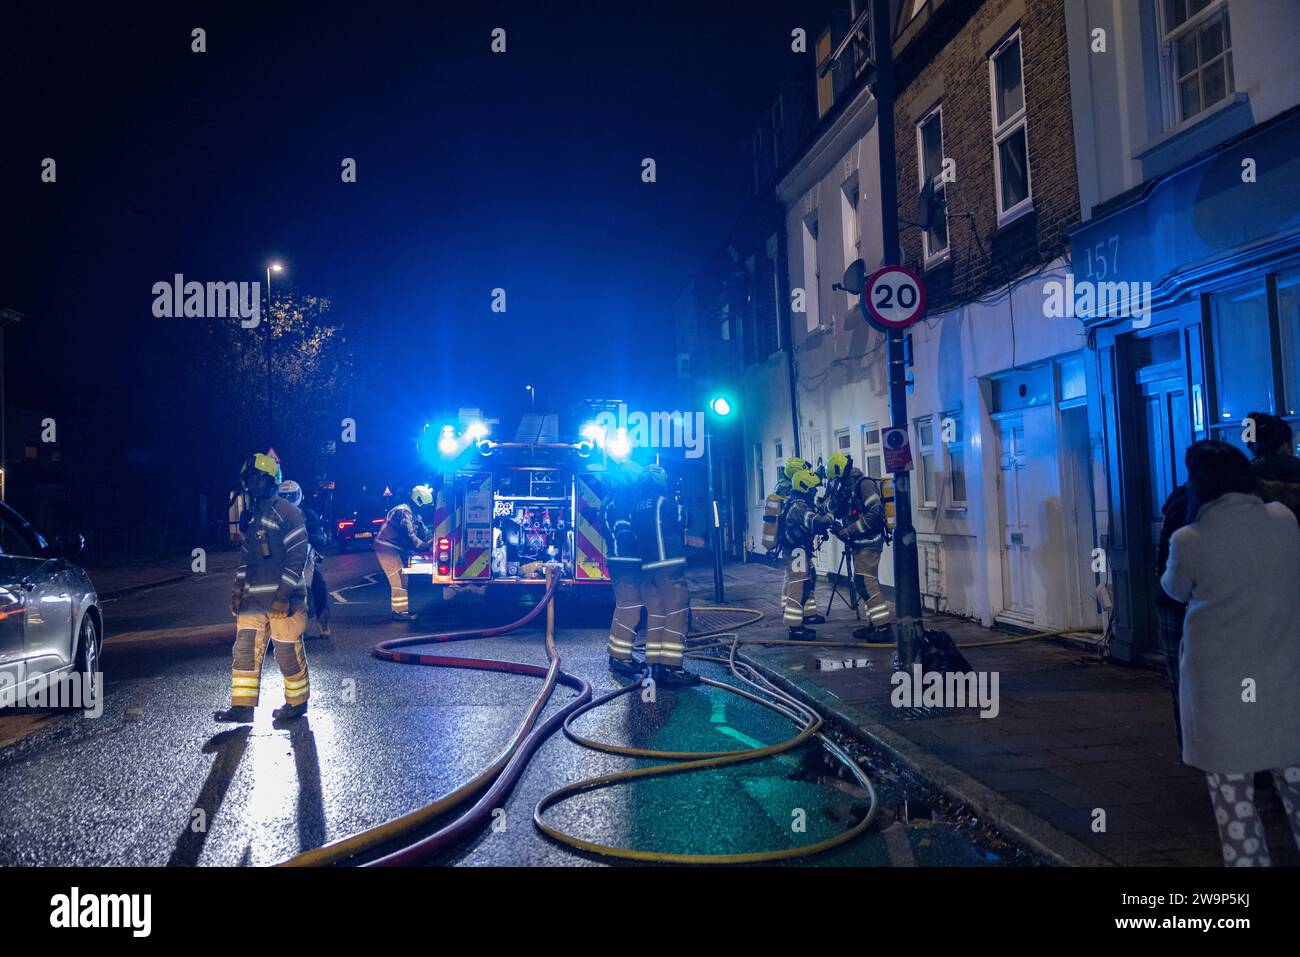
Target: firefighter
{"x": 270, "y": 597}
{"x": 659, "y": 526}
{"x": 801, "y": 524}
{"x": 318, "y": 592}
{"x": 792, "y": 465}
{"x": 624, "y": 563}
{"x": 403, "y": 532}
{"x": 855, "y": 502}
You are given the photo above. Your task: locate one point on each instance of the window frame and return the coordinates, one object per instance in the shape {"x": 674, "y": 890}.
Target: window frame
{"x": 958, "y": 415}
{"x": 869, "y": 449}
{"x": 1008, "y": 128}
{"x": 923, "y": 449}
{"x": 932, "y": 257}
{"x": 1169, "y": 58}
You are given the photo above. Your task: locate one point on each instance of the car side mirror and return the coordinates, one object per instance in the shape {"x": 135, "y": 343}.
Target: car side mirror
{"x": 68, "y": 545}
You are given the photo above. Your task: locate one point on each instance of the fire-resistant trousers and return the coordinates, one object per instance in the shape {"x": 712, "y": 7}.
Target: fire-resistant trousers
{"x": 390, "y": 560}
{"x": 865, "y": 565}
{"x": 797, "y": 592}
{"x": 668, "y": 608}
{"x": 254, "y": 628}
{"x": 626, "y": 578}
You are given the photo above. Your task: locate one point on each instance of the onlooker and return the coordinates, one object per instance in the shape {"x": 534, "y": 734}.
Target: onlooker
{"x": 1236, "y": 564}
{"x": 1276, "y": 467}
{"x": 1170, "y": 613}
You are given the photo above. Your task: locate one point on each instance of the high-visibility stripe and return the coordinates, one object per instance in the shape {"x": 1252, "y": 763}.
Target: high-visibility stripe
{"x": 589, "y": 542}
{"x": 666, "y": 563}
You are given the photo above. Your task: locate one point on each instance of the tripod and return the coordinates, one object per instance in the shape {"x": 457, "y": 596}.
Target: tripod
{"x": 850, "y": 600}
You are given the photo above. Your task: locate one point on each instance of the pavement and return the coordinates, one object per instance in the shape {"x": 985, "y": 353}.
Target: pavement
{"x": 1073, "y": 736}
{"x": 155, "y": 781}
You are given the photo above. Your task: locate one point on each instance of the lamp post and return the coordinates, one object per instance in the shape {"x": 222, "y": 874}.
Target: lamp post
{"x": 720, "y": 406}
{"x": 532, "y": 393}
{"x": 7, "y": 317}
{"x": 270, "y": 414}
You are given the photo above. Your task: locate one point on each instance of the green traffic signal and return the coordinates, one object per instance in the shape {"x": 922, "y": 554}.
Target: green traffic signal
{"x": 721, "y": 406}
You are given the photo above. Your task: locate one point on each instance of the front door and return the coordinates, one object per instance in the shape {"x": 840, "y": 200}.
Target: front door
{"x": 1167, "y": 432}
{"x": 1017, "y": 600}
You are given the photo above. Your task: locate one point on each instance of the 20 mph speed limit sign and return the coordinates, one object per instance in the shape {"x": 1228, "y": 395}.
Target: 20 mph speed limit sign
{"x": 893, "y": 299}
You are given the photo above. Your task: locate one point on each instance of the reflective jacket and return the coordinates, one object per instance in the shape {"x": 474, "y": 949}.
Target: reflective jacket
{"x": 274, "y": 553}
{"x": 659, "y": 525}
{"x": 616, "y": 511}
{"x": 802, "y": 523}
{"x": 856, "y": 504}
{"x": 403, "y": 530}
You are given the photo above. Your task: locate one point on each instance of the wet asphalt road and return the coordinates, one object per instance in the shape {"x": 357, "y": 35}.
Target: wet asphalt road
{"x": 155, "y": 781}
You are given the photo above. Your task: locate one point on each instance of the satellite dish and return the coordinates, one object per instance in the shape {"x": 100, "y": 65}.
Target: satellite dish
{"x": 855, "y": 277}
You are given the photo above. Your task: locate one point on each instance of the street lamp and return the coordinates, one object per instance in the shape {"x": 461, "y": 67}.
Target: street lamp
{"x": 722, "y": 408}
{"x": 270, "y": 415}
{"x": 532, "y": 393}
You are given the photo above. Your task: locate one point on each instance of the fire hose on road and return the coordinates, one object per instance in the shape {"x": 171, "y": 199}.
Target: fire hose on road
{"x": 491, "y": 787}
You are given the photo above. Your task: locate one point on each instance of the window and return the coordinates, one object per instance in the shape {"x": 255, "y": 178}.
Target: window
{"x": 776, "y": 292}
{"x": 825, "y": 79}
{"x": 954, "y": 444}
{"x": 843, "y": 442}
{"x": 929, "y": 163}
{"x": 778, "y": 457}
{"x": 1010, "y": 131}
{"x": 873, "y": 453}
{"x": 1242, "y": 352}
{"x": 758, "y": 472}
{"x": 1288, "y": 314}
{"x": 1198, "y": 54}
{"x": 925, "y": 442}
{"x": 811, "y": 274}
{"x": 758, "y": 156}
{"x": 849, "y": 195}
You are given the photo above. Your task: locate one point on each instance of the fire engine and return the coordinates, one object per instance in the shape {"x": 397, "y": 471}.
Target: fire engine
{"x": 504, "y": 509}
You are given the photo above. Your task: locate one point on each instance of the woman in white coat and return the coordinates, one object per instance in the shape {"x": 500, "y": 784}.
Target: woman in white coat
{"x": 1237, "y": 567}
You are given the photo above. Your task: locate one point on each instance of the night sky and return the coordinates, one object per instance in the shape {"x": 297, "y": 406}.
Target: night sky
{"x": 475, "y": 171}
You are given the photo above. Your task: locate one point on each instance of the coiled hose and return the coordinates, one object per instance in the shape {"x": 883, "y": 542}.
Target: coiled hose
{"x": 494, "y": 781}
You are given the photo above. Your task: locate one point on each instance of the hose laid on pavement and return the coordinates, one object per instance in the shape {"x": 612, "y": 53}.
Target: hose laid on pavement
{"x": 496, "y": 778}
{"x": 808, "y": 721}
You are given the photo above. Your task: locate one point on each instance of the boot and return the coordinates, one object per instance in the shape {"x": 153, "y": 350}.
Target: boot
{"x": 877, "y": 634}
{"x": 324, "y": 630}
{"x": 403, "y": 616}
{"x": 235, "y": 714}
{"x": 288, "y": 712}
{"x": 674, "y": 676}
{"x": 626, "y": 666}
{"x": 802, "y": 634}
{"x": 814, "y": 620}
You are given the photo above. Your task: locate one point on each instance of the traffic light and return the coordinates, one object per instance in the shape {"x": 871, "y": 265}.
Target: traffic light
{"x": 721, "y": 406}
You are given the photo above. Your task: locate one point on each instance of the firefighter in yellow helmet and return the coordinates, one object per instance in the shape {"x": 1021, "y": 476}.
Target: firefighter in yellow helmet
{"x": 792, "y": 465}
{"x": 855, "y": 502}
{"x": 403, "y": 532}
{"x": 624, "y": 563}
{"x": 659, "y": 525}
{"x": 801, "y": 524}
{"x": 270, "y": 596}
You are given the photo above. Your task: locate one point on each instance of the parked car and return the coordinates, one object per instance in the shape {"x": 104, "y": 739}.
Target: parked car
{"x": 51, "y": 625}
{"x": 358, "y": 527}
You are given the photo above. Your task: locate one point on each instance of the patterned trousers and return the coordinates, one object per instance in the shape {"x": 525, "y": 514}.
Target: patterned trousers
{"x": 1240, "y": 828}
